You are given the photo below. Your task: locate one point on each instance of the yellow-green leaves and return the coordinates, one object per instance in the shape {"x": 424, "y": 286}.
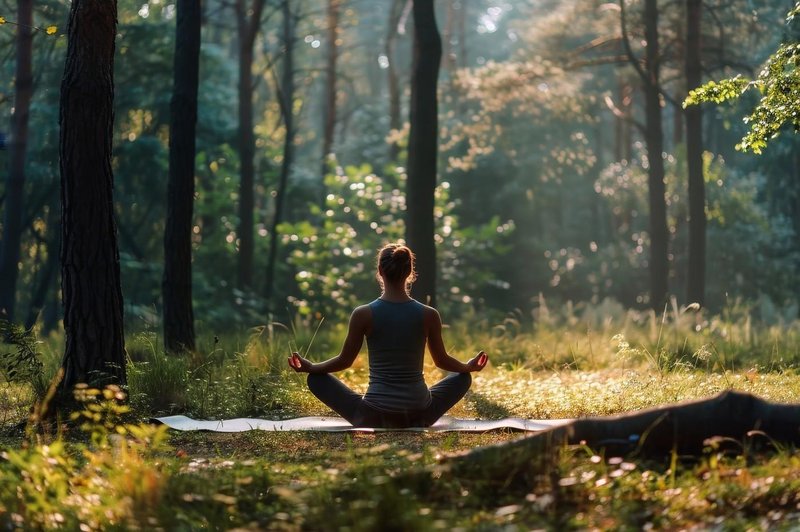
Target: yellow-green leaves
{"x": 717, "y": 91}
{"x": 49, "y": 30}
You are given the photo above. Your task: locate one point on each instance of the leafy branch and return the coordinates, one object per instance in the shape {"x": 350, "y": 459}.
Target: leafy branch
{"x": 779, "y": 85}
{"x": 49, "y": 30}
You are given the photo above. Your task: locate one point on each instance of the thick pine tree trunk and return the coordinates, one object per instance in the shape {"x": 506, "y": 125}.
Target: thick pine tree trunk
{"x": 287, "y": 105}
{"x": 95, "y": 351}
{"x": 12, "y": 219}
{"x": 177, "y": 281}
{"x": 654, "y": 139}
{"x": 248, "y": 23}
{"x": 423, "y": 149}
{"x": 694, "y": 156}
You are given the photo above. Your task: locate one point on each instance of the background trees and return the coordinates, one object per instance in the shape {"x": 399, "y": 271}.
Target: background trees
{"x": 423, "y": 148}
{"x": 14, "y": 197}
{"x": 177, "y": 283}
{"x": 540, "y": 185}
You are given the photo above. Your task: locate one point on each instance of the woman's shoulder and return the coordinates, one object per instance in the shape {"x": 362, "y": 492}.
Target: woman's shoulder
{"x": 429, "y": 312}
{"x": 362, "y": 310}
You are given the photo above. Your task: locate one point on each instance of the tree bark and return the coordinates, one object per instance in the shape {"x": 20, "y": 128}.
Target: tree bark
{"x": 12, "y": 220}
{"x": 654, "y": 139}
{"x": 95, "y": 350}
{"x": 329, "y": 125}
{"x": 177, "y": 281}
{"x": 395, "y": 12}
{"x": 286, "y": 98}
{"x": 685, "y": 428}
{"x": 694, "y": 159}
{"x": 423, "y": 148}
{"x": 248, "y": 22}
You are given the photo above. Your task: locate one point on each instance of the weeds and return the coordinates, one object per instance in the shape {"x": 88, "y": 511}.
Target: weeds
{"x": 561, "y": 363}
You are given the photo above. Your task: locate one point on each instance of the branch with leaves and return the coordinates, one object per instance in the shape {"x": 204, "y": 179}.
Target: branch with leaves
{"x": 49, "y": 30}
{"x": 779, "y": 85}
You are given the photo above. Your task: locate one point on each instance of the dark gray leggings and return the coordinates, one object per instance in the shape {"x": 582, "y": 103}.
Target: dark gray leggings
{"x": 351, "y": 406}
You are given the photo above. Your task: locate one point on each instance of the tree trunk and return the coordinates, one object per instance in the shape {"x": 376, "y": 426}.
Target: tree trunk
{"x": 95, "y": 350}
{"x": 329, "y": 124}
{"x": 422, "y": 149}
{"x": 12, "y": 220}
{"x": 684, "y": 428}
{"x": 177, "y": 282}
{"x": 286, "y": 98}
{"x": 694, "y": 158}
{"x": 395, "y": 12}
{"x": 248, "y": 23}
{"x": 46, "y": 276}
{"x": 654, "y": 138}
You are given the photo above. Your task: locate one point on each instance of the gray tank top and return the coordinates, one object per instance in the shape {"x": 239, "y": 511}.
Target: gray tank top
{"x": 396, "y": 346}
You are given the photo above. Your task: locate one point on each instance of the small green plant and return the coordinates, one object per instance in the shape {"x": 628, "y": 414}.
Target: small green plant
{"x": 20, "y": 361}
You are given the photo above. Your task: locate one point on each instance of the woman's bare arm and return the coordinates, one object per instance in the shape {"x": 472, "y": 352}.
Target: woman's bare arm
{"x": 433, "y": 329}
{"x": 360, "y": 322}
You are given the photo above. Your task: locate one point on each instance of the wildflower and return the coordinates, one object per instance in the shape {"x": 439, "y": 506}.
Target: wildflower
{"x": 703, "y": 354}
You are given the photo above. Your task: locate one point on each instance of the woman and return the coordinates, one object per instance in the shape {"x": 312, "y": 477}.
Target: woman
{"x": 397, "y": 328}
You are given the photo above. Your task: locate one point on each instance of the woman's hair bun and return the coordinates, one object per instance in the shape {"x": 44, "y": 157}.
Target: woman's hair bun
{"x": 397, "y": 263}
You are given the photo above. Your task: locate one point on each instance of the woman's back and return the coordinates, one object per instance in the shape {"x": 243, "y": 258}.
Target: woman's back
{"x": 396, "y": 345}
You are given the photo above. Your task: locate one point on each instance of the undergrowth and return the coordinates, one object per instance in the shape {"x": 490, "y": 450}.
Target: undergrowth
{"x": 109, "y": 468}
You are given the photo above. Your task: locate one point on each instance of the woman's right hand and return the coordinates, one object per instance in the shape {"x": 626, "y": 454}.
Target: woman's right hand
{"x": 478, "y": 362}
{"x": 300, "y": 364}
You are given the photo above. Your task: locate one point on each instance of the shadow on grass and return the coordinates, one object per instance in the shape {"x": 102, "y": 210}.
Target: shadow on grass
{"x": 486, "y": 408}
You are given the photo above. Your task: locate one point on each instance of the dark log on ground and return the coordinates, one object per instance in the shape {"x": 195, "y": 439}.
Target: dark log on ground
{"x": 685, "y": 428}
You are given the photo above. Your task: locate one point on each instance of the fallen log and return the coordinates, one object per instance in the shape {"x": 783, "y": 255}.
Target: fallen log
{"x": 685, "y": 428}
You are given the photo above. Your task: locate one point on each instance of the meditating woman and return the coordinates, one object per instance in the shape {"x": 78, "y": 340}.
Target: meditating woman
{"x": 397, "y": 328}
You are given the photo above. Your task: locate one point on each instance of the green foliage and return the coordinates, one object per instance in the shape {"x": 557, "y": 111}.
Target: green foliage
{"x": 334, "y": 258}
{"x": 779, "y": 85}
{"x": 20, "y": 362}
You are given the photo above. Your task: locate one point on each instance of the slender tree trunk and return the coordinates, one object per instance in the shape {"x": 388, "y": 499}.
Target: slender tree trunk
{"x": 177, "y": 281}
{"x": 654, "y": 138}
{"x": 395, "y": 12}
{"x": 423, "y": 148}
{"x": 462, "y": 35}
{"x": 248, "y": 23}
{"x": 12, "y": 220}
{"x": 622, "y": 124}
{"x": 677, "y": 124}
{"x": 45, "y": 280}
{"x": 329, "y": 125}
{"x": 448, "y": 54}
{"x": 95, "y": 350}
{"x": 47, "y": 274}
{"x": 286, "y": 97}
{"x": 694, "y": 156}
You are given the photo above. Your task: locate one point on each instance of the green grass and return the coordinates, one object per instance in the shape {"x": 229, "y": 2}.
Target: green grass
{"x": 583, "y": 361}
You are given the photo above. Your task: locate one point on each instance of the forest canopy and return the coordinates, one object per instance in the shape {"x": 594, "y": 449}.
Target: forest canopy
{"x": 545, "y": 165}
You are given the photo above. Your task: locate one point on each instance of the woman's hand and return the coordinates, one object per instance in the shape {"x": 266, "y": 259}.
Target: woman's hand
{"x": 300, "y": 364}
{"x": 478, "y": 362}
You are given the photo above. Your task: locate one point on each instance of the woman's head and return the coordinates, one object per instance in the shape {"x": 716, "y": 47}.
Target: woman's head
{"x": 396, "y": 264}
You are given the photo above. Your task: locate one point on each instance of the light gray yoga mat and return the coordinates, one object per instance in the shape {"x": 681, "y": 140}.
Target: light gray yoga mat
{"x": 337, "y": 424}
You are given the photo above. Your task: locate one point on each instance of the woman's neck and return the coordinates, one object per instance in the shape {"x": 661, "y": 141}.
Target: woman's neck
{"x": 395, "y": 293}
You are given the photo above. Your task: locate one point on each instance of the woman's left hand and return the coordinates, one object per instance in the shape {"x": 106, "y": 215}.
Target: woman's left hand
{"x": 300, "y": 364}
{"x": 478, "y": 362}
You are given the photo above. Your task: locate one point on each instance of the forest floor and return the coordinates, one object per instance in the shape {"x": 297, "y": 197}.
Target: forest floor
{"x": 151, "y": 478}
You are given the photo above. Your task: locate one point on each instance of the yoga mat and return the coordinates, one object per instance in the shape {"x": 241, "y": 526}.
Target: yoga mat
{"x": 337, "y": 424}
